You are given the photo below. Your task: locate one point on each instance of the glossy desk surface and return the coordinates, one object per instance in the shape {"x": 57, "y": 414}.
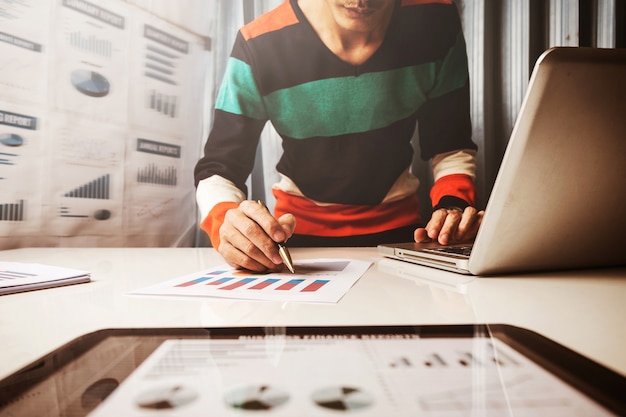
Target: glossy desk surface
{"x": 582, "y": 310}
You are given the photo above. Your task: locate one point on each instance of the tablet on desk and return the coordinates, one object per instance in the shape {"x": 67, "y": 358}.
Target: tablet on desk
{"x": 445, "y": 370}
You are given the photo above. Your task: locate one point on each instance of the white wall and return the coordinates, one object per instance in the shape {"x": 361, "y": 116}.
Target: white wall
{"x": 103, "y": 109}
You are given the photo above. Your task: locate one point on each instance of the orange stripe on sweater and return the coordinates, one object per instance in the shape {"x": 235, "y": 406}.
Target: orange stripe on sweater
{"x": 346, "y": 220}
{"x": 276, "y": 19}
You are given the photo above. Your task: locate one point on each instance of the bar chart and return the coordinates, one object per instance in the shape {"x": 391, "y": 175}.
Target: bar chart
{"x": 315, "y": 280}
{"x": 163, "y": 103}
{"x": 12, "y": 211}
{"x": 91, "y": 43}
{"x": 96, "y": 189}
{"x": 153, "y": 174}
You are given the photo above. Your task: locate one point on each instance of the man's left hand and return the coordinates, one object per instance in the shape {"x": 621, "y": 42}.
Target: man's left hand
{"x": 449, "y": 226}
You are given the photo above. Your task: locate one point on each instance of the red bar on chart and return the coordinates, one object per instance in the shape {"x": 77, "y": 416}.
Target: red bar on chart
{"x": 264, "y": 284}
{"x": 193, "y": 282}
{"x": 220, "y": 281}
{"x": 238, "y": 284}
{"x": 289, "y": 284}
{"x": 315, "y": 285}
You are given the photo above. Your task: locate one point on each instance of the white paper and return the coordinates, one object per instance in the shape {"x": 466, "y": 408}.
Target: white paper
{"x": 316, "y": 280}
{"x": 18, "y": 277}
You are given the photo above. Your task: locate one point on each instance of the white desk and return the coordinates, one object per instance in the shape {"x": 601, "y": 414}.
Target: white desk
{"x": 583, "y": 310}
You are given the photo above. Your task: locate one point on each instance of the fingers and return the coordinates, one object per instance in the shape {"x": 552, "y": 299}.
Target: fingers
{"x": 288, "y": 223}
{"x": 245, "y": 240}
{"x": 262, "y": 217}
{"x": 421, "y": 235}
{"x": 449, "y": 221}
{"x": 448, "y": 226}
{"x": 469, "y": 224}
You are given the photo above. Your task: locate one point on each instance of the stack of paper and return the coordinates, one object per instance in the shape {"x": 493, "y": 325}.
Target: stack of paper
{"x": 19, "y": 277}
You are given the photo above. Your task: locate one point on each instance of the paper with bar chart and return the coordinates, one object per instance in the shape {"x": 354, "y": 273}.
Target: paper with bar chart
{"x": 323, "y": 280}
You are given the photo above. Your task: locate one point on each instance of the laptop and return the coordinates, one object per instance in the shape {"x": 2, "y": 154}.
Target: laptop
{"x": 559, "y": 199}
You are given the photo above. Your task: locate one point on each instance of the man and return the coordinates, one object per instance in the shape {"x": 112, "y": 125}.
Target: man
{"x": 344, "y": 83}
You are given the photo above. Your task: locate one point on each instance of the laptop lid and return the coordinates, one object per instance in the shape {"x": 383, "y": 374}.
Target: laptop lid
{"x": 558, "y": 200}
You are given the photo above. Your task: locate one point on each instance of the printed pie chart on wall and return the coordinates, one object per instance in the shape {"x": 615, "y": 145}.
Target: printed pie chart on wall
{"x": 11, "y": 139}
{"x": 90, "y": 83}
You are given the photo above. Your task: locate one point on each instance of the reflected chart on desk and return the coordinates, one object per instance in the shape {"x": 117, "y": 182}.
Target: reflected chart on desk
{"x": 323, "y": 375}
{"x": 315, "y": 280}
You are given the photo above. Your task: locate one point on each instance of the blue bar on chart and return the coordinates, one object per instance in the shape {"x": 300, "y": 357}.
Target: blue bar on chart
{"x": 220, "y": 281}
{"x": 315, "y": 285}
{"x": 193, "y": 282}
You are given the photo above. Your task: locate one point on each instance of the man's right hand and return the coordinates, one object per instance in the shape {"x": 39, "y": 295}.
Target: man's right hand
{"x": 249, "y": 235}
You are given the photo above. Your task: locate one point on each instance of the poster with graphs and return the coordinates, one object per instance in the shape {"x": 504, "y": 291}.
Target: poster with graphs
{"x": 154, "y": 170}
{"x": 86, "y": 181}
{"x": 91, "y": 59}
{"x": 20, "y": 145}
{"x": 163, "y": 88}
{"x": 91, "y": 203}
{"x": 24, "y": 50}
{"x": 101, "y": 119}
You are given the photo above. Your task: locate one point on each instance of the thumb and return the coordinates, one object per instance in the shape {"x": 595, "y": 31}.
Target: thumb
{"x": 288, "y": 223}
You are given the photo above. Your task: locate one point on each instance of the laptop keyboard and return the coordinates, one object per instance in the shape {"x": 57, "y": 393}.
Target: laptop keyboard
{"x": 452, "y": 250}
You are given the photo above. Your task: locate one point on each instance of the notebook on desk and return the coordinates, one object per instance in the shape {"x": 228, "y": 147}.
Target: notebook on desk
{"x": 558, "y": 199}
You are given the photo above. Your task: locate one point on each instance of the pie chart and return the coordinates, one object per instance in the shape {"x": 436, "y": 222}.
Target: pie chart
{"x": 166, "y": 398}
{"x": 90, "y": 83}
{"x": 11, "y": 139}
{"x": 259, "y": 397}
{"x": 342, "y": 398}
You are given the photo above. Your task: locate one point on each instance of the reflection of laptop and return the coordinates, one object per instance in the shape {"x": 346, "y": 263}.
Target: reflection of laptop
{"x": 559, "y": 200}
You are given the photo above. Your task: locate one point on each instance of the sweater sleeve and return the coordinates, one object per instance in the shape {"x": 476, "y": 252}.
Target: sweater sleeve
{"x": 454, "y": 174}
{"x": 215, "y": 219}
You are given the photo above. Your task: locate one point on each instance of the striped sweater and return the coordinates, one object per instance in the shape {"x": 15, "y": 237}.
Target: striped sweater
{"x": 346, "y": 129}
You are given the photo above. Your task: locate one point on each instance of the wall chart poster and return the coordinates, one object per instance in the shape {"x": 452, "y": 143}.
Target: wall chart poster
{"x": 91, "y": 59}
{"x": 102, "y": 107}
{"x": 20, "y": 163}
{"x": 24, "y": 50}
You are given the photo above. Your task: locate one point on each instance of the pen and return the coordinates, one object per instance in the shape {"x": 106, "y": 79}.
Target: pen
{"x": 282, "y": 249}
